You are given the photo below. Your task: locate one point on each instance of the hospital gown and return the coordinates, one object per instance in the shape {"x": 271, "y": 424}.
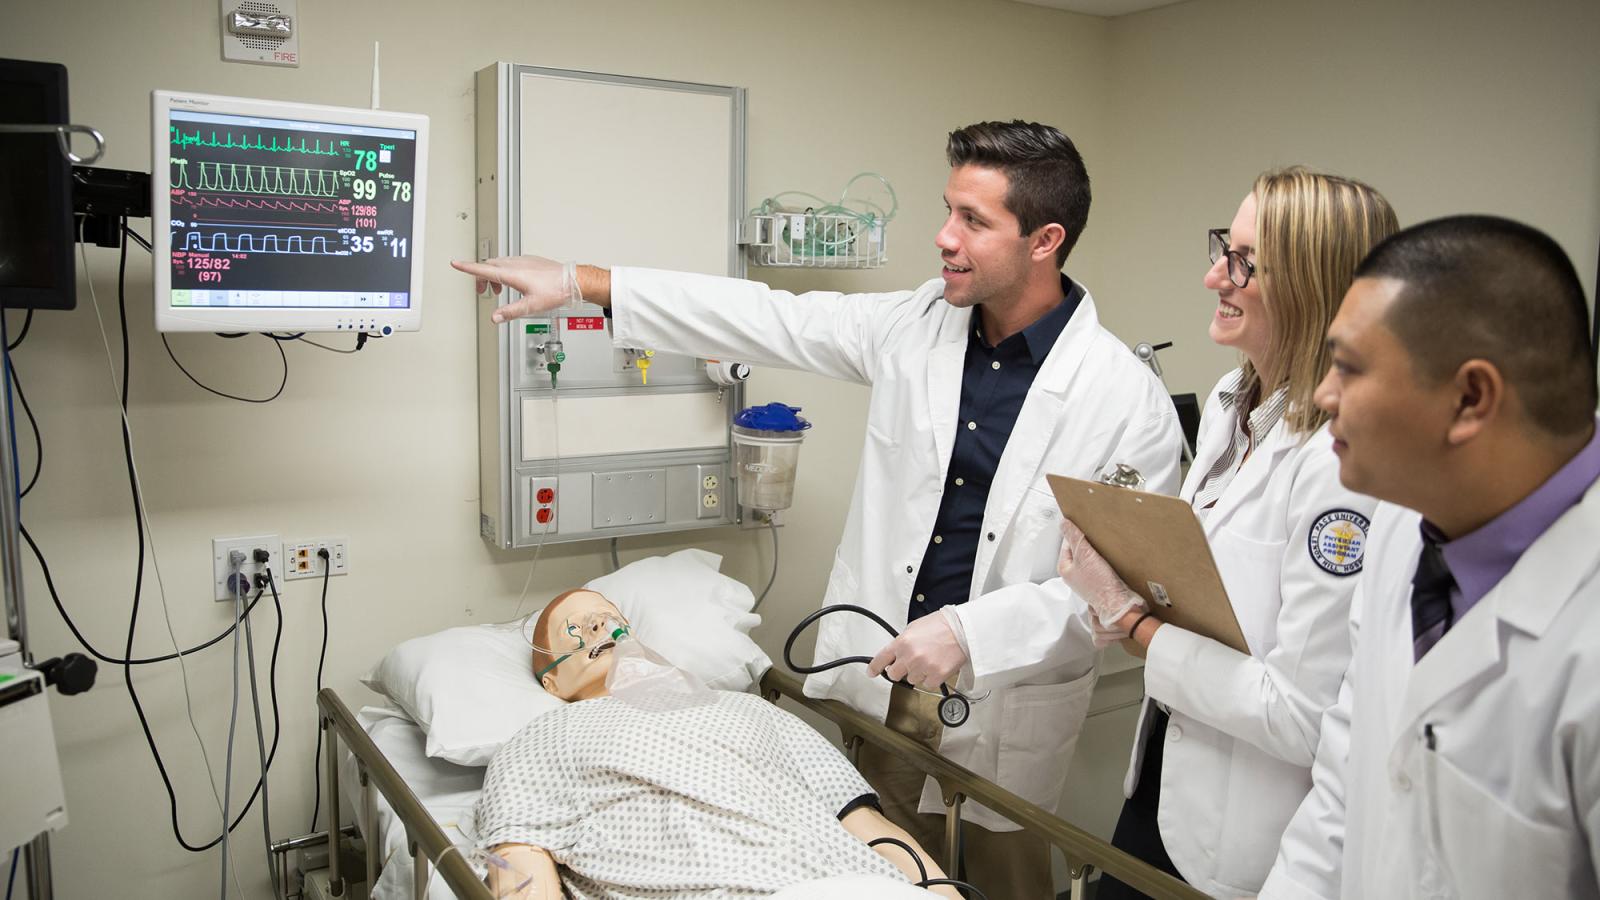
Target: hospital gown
{"x": 733, "y": 799}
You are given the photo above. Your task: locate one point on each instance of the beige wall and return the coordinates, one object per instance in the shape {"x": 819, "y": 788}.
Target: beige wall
{"x": 1444, "y": 106}
{"x": 382, "y": 446}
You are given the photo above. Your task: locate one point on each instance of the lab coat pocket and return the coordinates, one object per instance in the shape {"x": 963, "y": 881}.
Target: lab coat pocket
{"x": 1034, "y": 542}
{"x": 1251, "y": 572}
{"x": 1039, "y": 729}
{"x": 1487, "y": 849}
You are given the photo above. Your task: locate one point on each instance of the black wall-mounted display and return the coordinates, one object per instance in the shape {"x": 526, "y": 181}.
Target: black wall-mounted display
{"x": 36, "y": 229}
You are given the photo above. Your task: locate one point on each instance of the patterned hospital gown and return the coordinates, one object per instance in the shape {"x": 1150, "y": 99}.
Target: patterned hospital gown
{"x": 733, "y": 799}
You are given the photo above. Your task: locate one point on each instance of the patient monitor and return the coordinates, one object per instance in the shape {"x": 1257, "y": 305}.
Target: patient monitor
{"x": 286, "y": 217}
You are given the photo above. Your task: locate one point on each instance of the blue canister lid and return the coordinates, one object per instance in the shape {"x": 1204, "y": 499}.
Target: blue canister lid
{"x": 772, "y": 417}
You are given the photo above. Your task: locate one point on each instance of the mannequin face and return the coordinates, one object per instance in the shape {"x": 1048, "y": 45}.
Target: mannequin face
{"x": 579, "y": 627}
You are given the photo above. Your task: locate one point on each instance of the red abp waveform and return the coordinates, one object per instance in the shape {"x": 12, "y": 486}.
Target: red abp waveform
{"x": 202, "y": 202}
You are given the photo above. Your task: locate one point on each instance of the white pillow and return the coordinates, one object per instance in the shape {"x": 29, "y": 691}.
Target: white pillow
{"x": 472, "y": 688}
{"x": 699, "y": 619}
{"x": 469, "y": 688}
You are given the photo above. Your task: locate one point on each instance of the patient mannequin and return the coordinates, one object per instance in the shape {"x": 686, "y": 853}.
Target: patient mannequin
{"x": 733, "y": 797}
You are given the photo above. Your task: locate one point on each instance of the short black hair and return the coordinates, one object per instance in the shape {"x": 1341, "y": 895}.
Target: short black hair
{"x": 1047, "y": 181}
{"x": 1484, "y": 287}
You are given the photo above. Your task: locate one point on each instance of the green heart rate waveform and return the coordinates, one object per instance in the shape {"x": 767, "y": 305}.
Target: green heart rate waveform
{"x": 181, "y": 139}
{"x": 240, "y": 178}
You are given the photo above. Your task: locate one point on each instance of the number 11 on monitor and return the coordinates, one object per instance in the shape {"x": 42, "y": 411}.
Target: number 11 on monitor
{"x": 286, "y": 217}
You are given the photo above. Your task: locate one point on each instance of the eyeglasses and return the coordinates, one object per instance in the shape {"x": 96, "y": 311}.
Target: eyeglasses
{"x": 1240, "y": 269}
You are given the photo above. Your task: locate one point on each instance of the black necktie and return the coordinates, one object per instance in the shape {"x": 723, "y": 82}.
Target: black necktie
{"x": 1431, "y": 613}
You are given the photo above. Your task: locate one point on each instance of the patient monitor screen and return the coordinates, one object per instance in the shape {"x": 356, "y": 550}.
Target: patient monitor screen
{"x": 289, "y": 214}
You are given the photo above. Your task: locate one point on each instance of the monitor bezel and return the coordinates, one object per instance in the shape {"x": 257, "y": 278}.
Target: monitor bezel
{"x": 277, "y": 319}
{"x": 62, "y": 293}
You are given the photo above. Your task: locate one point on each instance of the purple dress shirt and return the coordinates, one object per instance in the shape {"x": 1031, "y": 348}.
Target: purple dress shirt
{"x": 1480, "y": 559}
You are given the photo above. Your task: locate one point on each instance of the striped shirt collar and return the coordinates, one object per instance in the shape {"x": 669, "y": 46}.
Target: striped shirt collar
{"x": 1264, "y": 417}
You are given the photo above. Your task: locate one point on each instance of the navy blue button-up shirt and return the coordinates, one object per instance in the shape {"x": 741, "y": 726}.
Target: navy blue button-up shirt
{"x": 994, "y": 382}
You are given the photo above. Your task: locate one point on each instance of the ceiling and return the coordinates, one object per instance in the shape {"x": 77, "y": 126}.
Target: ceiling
{"x": 1107, "y": 8}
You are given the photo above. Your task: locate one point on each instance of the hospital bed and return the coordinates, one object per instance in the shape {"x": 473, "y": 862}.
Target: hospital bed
{"x": 412, "y": 772}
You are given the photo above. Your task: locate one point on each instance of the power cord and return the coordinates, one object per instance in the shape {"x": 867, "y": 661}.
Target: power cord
{"x": 316, "y": 756}
{"x": 27, "y": 323}
{"x": 141, "y": 525}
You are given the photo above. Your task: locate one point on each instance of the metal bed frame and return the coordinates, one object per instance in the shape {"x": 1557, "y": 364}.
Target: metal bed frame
{"x": 430, "y": 847}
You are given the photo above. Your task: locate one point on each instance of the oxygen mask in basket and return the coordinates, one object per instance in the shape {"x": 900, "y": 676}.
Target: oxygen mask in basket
{"x": 642, "y": 678}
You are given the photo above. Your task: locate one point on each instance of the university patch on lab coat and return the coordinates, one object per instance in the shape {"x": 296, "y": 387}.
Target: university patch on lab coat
{"x": 1338, "y": 541}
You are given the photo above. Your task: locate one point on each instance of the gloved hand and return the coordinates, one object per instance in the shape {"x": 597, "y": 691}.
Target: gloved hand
{"x": 544, "y": 284}
{"x": 1092, "y": 578}
{"x": 926, "y": 653}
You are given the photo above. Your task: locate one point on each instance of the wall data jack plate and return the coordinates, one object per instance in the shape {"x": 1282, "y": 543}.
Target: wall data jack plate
{"x": 266, "y": 32}
{"x": 221, "y": 568}
{"x": 305, "y": 563}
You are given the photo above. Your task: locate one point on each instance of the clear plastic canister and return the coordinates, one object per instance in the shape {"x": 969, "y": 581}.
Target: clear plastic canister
{"x": 766, "y": 462}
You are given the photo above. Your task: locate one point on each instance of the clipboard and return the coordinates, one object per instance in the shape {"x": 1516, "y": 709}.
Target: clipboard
{"x": 1157, "y": 545}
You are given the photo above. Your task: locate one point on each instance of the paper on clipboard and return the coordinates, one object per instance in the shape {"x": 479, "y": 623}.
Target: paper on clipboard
{"x": 1156, "y": 544}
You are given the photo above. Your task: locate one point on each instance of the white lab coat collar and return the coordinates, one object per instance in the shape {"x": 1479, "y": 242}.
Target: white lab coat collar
{"x": 1529, "y": 598}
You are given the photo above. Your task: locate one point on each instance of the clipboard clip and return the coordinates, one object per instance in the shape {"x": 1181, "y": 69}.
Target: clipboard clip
{"x": 1123, "y": 475}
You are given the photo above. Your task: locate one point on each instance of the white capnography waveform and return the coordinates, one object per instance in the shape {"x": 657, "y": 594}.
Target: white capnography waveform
{"x": 242, "y": 178}
{"x": 315, "y": 245}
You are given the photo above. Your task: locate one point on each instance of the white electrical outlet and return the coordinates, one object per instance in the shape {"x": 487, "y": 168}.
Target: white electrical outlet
{"x": 305, "y": 562}
{"x": 222, "y": 566}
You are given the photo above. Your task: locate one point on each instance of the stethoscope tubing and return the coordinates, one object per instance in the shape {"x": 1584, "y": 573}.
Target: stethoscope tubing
{"x": 953, "y": 720}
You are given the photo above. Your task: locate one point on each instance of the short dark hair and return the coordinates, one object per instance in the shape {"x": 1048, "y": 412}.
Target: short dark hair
{"x": 1047, "y": 181}
{"x": 1484, "y": 287}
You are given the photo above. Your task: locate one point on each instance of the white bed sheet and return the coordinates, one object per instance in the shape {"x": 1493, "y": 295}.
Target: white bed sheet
{"x": 448, "y": 791}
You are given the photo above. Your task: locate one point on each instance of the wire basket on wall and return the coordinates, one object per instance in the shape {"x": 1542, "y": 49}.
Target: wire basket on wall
{"x": 849, "y": 234}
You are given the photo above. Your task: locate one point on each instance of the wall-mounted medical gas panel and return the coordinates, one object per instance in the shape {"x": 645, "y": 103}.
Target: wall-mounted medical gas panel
{"x": 606, "y": 170}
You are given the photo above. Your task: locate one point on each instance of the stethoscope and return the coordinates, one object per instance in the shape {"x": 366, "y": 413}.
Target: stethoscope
{"x": 954, "y": 707}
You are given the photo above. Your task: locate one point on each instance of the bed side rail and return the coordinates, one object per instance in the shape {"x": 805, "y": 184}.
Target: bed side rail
{"x": 957, "y": 784}
{"x": 427, "y": 841}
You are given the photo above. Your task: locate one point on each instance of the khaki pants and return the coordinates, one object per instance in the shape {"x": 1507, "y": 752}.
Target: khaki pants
{"x": 1005, "y": 865}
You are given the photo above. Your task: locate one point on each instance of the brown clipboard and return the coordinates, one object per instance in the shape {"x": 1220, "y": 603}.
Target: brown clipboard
{"x": 1157, "y": 545}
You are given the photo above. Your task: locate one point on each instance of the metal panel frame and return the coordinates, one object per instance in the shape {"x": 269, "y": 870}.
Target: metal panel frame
{"x": 499, "y": 193}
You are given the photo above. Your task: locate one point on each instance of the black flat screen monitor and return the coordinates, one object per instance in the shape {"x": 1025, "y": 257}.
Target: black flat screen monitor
{"x": 36, "y": 236}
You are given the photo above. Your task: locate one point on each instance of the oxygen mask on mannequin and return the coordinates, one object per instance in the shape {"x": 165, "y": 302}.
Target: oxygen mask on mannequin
{"x": 642, "y": 678}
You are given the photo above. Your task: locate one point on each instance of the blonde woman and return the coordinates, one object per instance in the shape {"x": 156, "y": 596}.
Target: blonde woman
{"x": 1223, "y": 750}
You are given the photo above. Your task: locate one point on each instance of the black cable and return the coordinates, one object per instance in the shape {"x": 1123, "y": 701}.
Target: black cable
{"x": 322, "y": 657}
{"x": 285, "y": 337}
{"x": 922, "y": 870}
{"x": 276, "y": 341}
{"x": 38, "y": 439}
{"x": 138, "y": 587}
{"x": 27, "y": 322}
{"x": 197, "y": 382}
{"x": 50, "y": 584}
{"x": 135, "y": 235}
{"x": 958, "y": 885}
{"x": 309, "y": 342}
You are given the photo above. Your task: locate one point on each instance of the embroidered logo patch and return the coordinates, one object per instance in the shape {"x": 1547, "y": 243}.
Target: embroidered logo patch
{"x": 1338, "y": 541}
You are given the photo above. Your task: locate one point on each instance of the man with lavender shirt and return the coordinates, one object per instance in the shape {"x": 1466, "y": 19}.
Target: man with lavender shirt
{"x": 1463, "y": 757}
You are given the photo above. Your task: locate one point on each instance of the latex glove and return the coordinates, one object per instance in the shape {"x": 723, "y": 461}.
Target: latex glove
{"x": 1091, "y": 577}
{"x": 544, "y": 284}
{"x": 1108, "y": 633}
{"x": 926, "y": 654}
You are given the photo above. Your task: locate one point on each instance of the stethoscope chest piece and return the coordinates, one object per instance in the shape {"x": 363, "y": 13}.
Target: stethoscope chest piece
{"x": 954, "y": 710}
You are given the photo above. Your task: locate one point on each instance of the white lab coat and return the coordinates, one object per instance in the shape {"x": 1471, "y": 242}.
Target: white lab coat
{"x": 1243, "y": 729}
{"x": 1506, "y": 803}
{"x": 1091, "y": 405}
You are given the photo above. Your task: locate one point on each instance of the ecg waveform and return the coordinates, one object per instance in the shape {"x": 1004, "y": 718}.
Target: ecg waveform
{"x": 250, "y": 179}
{"x": 296, "y": 244}
{"x": 181, "y": 140}
{"x": 204, "y": 202}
